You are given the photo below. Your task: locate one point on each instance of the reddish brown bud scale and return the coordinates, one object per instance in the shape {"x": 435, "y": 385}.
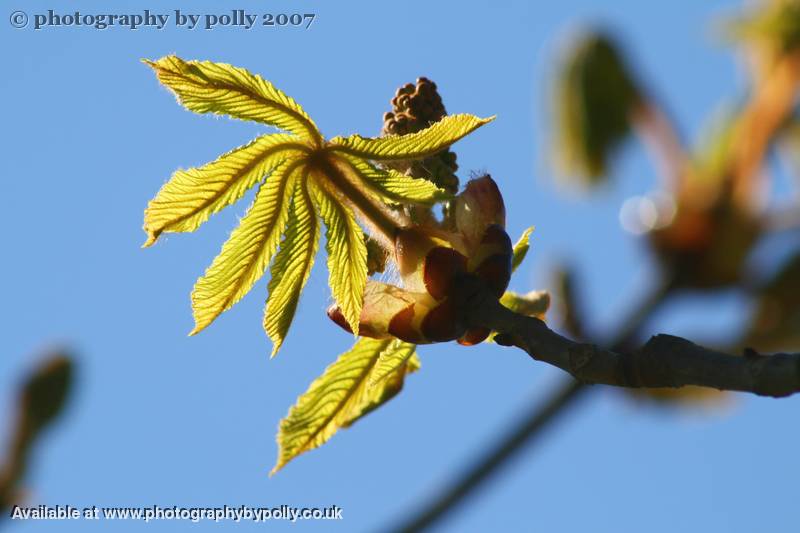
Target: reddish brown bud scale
{"x": 441, "y": 267}
{"x": 335, "y": 314}
{"x": 496, "y": 236}
{"x": 402, "y": 326}
{"x": 474, "y": 336}
{"x": 364, "y": 329}
{"x": 496, "y": 273}
{"x": 442, "y": 323}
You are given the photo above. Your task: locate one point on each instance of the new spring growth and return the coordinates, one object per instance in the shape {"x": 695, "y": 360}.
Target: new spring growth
{"x": 302, "y": 178}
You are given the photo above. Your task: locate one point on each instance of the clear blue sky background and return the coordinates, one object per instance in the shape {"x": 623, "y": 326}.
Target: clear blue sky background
{"x": 89, "y": 136}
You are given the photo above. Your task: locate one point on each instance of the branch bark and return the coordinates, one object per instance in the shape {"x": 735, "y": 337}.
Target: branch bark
{"x": 539, "y": 418}
{"x": 664, "y": 361}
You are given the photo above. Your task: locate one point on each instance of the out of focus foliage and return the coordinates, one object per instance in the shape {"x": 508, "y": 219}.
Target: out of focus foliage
{"x": 711, "y": 207}
{"x": 773, "y": 25}
{"x": 595, "y": 97}
{"x": 776, "y": 321}
{"x": 708, "y": 238}
{"x": 41, "y": 400}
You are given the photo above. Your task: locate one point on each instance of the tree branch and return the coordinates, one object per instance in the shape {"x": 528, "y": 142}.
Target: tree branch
{"x": 664, "y": 361}
{"x": 539, "y": 418}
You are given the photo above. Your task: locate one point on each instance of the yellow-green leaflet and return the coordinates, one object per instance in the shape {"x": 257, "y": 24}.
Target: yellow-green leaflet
{"x": 392, "y": 186}
{"x": 191, "y": 196}
{"x": 521, "y": 249}
{"x": 338, "y": 398}
{"x": 534, "y": 303}
{"x": 291, "y": 267}
{"x": 418, "y": 145}
{"x": 246, "y": 254}
{"x": 391, "y": 359}
{"x": 347, "y": 254}
{"x": 222, "y": 89}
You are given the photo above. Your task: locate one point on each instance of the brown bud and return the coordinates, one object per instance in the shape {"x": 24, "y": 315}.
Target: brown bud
{"x": 474, "y": 336}
{"x": 479, "y": 206}
{"x": 494, "y": 257}
{"x": 442, "y": 265}
{"x": 442, "y": 323}
{"x": 45, "y": 393}
{"x": 402, "y": 326}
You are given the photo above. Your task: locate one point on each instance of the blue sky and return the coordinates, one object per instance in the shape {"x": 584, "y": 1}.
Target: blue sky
{"x": 159, "y": 418}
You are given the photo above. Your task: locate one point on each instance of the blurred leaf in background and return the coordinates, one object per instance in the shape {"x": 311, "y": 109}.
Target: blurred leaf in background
{"x": 769, "y": 31}
{"x": 775, "y": 325}
{"x": 42, "y": 398}
{"x": 595, "y": 95}
{"x": 709, "y": 234}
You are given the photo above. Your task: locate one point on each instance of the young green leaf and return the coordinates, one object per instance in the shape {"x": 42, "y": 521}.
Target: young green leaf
{"x": 418, "y": 145}
{"x": 246, "y": 254}
{"x": 521, "y": 249}
{"x": 222, "y": 89}
{"x": 191, "y": 196}
{"x": 303, "y": 156}
{"x": 391, "y": 360}
{"x": 534, "y": 303}
{"x": 343, "y": 394}
{"x": 292, "y": 267}
{"x": 347, "y": 254}
{"x": 392, "y": 186}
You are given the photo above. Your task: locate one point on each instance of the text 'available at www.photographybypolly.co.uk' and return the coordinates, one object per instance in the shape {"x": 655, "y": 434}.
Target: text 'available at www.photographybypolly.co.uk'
{"x": 192, "y": 514}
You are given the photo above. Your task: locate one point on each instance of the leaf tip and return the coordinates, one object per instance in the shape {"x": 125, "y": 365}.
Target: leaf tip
{"x": 151, "y": 240}
{"x": 198, "y": 327}
{"x": 152, "y": 234}
{"x": 275, "y": 347}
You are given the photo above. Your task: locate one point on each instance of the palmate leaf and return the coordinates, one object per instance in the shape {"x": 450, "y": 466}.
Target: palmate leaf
{"x": 521, "y": 249}
{"x": 291, "y": 267}
{"x": 418, "y": 145}
{"x": 347, "y": 253}
{"x": 222, "y": 89}
{"x": 191, "y": 196}
{"x": 392, "y": 186}
{"x": 246, "y": 254}
{"x": 306, "y": 177}
{"x": 344, "y": 393}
